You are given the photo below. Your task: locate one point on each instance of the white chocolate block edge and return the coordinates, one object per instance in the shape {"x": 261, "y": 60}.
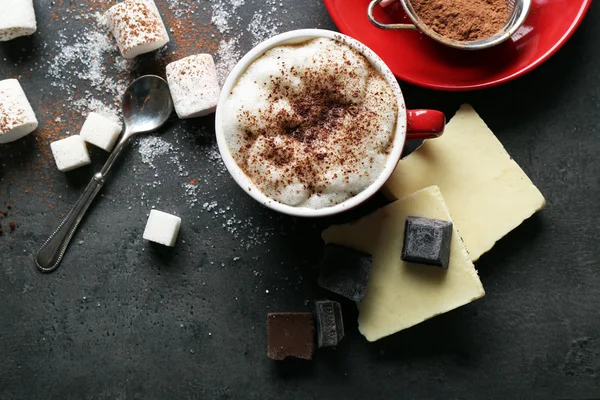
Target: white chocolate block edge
{"x": 488, "y": 194}
{"x": 17, "y": 118}
{"x": 400, "y": 294}
{"x": 17, "y": 18}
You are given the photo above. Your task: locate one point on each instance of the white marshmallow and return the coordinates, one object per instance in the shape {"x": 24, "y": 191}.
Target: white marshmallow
{"x": 17, "y": 118}
{"x": 100, "y": 131}
{"x": 70, "y": 153}
{"x": 194, "y": 85}
{"x": 17, "y": 18}
{"x": 137, "y": 27}
{"x": 162, "y": 228}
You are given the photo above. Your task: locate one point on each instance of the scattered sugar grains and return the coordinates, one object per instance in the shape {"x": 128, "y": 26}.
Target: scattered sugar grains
{"x": 200, "y": 190}
{"x": 87, "y": 73}
{"x": 178, "y": 7}
{"x": 266, "y": 23}
{"x": 228, "y": 55}
{"x": 223, "y": 13}
{"x": 151, "y": 147}
{"x": 91, "y": 57}
{"x": 80, "y": 68}
{"x": 228, "y": 52}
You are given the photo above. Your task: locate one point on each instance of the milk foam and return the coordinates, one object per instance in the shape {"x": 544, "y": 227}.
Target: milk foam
{"x": 310, "y": 124}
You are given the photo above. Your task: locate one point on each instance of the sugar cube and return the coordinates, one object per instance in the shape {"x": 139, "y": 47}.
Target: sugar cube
{"x": 194, "y": 85}
{"x": 18, "y": 19}
{"x": 290, "y": 335}
{"x": 345, "y": 271}
{"x": 17, "y": 118}
{"x": 100, "y": 131}
{"x": 427, "y": 241}
{"x": 162, "y": 228}
{"x": 70, "y": 153}
{"x": 137, "y": 27}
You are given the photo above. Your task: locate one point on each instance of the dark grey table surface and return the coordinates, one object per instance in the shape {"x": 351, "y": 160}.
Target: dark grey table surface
{"x": 123, "y": 319}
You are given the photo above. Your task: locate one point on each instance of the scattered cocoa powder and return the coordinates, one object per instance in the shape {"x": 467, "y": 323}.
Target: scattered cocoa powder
{"x": 3, "y": 215}
{"x": 190, "y": 31}
{"x": 463, "y": 20}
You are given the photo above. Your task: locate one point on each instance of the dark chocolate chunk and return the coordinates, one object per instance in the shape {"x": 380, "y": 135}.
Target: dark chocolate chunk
{"x": 290, "y": 335}
{"x": 345, "y": 271}
{"x": 330, "y": 324}
{"x": 427, "y": 241}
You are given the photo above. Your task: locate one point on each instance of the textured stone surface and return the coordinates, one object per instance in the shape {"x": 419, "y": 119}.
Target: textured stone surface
{"x": 122, "y": 319}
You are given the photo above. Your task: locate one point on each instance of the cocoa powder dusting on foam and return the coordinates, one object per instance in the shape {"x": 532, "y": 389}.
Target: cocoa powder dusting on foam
{"x": 325, "y": 128}
{"x": 463, "y": 20}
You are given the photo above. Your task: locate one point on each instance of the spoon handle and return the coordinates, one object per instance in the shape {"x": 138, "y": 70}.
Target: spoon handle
{"x": 50, "y": 255}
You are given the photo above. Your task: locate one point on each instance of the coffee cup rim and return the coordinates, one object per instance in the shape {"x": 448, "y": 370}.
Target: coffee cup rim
{"x": 299, "y": 36}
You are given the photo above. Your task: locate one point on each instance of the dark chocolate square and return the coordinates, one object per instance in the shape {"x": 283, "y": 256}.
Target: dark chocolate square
{"x": 345, "y": 271}
{"x": 330, "y": 323}
{"x": 427, "y": 241}
{"x": 290, "y": 335}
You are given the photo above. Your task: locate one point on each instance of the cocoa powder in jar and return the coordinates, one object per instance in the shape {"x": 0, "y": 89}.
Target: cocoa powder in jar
{"x": 463, "y": 20}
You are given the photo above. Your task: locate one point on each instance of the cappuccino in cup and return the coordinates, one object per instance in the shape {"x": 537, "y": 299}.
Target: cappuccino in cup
{"x": 310, "y": 124}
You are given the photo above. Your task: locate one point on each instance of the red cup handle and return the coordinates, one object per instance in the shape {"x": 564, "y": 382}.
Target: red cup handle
{"x": 424, "y": 124}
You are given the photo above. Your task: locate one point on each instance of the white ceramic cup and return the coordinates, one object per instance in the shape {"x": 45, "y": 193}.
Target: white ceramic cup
{"x": 419, "y": 124}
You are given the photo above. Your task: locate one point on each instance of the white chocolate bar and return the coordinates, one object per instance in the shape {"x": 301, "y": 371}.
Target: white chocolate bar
{"x": 401, "y": 294}
{"x": 488, "y": 194}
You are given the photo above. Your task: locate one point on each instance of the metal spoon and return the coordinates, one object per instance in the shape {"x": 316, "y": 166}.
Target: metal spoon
{"x": 147, "y": 104}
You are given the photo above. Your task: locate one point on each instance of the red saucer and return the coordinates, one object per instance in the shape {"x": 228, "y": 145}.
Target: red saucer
{"x": 415, "y": 58}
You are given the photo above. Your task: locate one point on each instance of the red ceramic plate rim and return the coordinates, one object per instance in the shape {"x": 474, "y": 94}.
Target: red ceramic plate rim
{"x": 529, "y": 67}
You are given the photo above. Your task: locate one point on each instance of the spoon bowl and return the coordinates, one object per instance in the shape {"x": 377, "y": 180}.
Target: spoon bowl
{"x": 147, "y": 104}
